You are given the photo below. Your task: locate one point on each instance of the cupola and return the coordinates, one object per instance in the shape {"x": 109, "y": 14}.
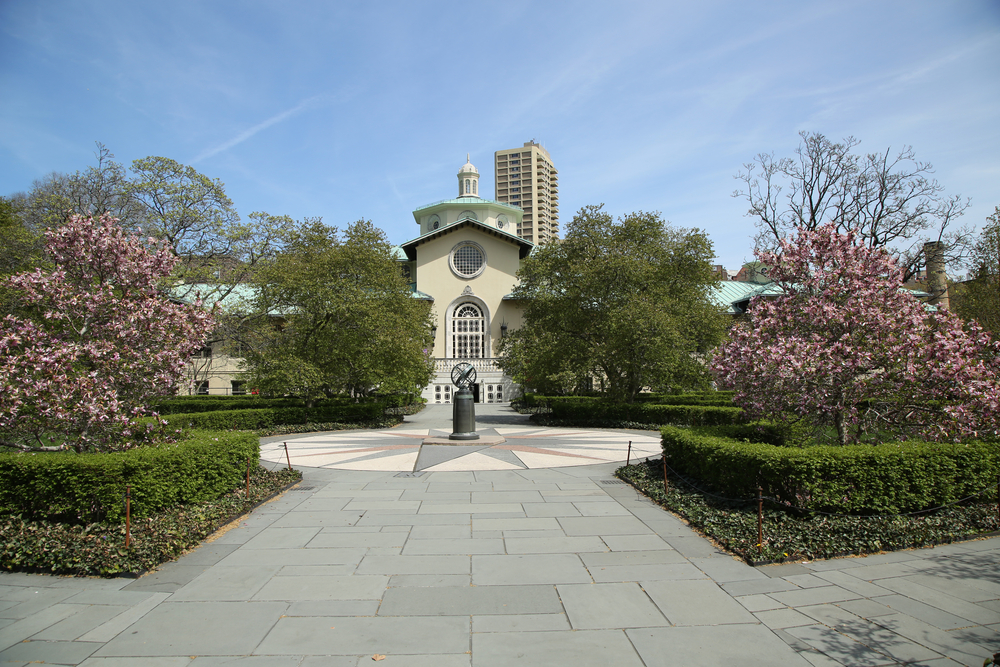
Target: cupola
{"x": 468, "y": 179}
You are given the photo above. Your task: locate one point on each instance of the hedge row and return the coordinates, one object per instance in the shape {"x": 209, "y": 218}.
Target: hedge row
{"x": 858, "y": 479}
{"x": 720, "y": 398}
{"x": 84, "y": 488}
{"x": 265, "y": 418}
{"x": 708, "y": 398}
{"x": 603, "y": 413}
{"x": 187, "y": 404}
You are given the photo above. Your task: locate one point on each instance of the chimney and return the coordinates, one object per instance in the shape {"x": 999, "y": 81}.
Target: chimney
{"x": 937, "y": 279}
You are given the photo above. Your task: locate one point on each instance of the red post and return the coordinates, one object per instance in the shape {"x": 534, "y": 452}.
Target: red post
{"x": 248, "y": 478}
{"x": 287, "y": 458}
{"x": 760, "y": 521}
{"x": 128, "y": 516}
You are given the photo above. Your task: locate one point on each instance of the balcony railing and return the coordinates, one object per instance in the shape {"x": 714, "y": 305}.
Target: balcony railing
{"x": 481, "y": 365}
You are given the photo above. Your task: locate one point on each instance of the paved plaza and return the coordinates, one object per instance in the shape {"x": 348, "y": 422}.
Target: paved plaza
{"x": 532, "y": 565}
{"x": 508, "y": 441}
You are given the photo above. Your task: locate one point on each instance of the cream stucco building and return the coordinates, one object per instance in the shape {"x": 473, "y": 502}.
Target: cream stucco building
{"x": 465, "y": 261}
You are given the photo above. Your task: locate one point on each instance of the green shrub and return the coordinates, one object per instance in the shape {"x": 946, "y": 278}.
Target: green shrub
{"x": 99, "y": 548}
{"x": 863, "y": 479}
{"x": 604, "y": 413}
{"x": 266, "y": 418}
{"x": 719, "y": 398}
{"x": 82, "y": 488}
{"x": 186, "y": 404}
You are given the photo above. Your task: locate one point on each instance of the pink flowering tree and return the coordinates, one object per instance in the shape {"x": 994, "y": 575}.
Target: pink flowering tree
{"x": 94, "y": 341}
{"x": 846, "y": 347}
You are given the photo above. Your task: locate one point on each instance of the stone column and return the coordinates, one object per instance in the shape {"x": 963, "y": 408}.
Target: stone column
{"x": 937, "y": 279}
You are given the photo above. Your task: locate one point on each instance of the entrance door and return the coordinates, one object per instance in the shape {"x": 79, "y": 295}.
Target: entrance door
{"x": 475, "y": 393}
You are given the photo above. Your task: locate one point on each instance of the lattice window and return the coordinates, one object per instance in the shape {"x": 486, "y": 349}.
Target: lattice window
{"x": 468, "y": 260}
{"x": 468, "y": 327}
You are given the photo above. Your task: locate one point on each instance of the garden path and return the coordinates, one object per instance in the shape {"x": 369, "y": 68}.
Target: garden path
{"x": 487, "y": 568}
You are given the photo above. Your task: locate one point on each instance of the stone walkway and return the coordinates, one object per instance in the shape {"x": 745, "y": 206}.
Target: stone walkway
{"x": 542, "y": 567}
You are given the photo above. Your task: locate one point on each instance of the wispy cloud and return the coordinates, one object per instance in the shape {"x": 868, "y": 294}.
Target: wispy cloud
{"x": 246, "y": 134}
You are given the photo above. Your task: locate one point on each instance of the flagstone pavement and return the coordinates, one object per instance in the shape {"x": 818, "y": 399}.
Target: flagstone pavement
{"x": 524, "y": 565}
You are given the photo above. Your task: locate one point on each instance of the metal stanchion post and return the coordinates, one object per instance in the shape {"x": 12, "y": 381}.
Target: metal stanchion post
{"x": 128, "y": 516}
{"x": 628, "y": 457}
{"x": 760, "y": 521}
{"x": 666, "y": 487}
{"x": 288, "y": 458}
{"x": 248, "y": 478}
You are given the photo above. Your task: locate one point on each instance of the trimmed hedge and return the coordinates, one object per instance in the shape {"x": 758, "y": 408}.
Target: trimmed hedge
{"x": 603, "y": 413}
{"x": 266, "y": 418}
{"x": 856, "y": 479}
{"x": 188, "y": 404}
{"x": 707, "y": 398}
{"x": 84, "y": 488}
{"x": 719, "y": 398}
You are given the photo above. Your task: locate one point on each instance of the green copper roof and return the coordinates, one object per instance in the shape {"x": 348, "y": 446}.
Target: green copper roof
{"x": 468, "y": 200}
{"x": 410, "y": 247}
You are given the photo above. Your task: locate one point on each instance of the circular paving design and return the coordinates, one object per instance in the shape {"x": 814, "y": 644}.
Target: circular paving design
{"x": 409, "y": 449}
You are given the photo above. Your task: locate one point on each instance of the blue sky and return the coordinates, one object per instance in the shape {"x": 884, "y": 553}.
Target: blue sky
{"x": 351, "y": 110}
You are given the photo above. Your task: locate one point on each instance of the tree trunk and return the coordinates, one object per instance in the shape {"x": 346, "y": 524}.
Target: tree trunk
{"x": 841, "y": 430}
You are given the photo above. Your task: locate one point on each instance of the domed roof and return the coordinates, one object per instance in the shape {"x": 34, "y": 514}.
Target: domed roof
{"x": 467, "y": 168}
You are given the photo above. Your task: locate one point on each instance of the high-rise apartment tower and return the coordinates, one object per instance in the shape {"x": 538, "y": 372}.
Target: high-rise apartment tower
{"x": 525, "y": 177}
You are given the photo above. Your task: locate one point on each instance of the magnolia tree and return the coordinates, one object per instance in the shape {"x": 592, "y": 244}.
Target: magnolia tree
{"x": 94, "y": 342}
{"x": 847, "y": 347}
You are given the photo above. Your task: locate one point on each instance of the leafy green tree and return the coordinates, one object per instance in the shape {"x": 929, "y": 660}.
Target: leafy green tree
{"x": 624, "y": 302}
{"x": 979, "y": 297}
{"x": 161, "y": 198}
{"x": 332, "y": 314}
{"x": 20, "y": 250}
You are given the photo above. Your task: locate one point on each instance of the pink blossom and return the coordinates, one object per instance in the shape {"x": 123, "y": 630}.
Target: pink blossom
{"x": 845, "y": 346}
{"x": 107, "y": 342}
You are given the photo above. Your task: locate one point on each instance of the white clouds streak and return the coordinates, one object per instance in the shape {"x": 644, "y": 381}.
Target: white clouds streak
{"x": 243, "y": 136}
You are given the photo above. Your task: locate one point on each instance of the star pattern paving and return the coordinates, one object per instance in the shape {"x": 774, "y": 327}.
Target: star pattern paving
{"x": 414, "y": 450}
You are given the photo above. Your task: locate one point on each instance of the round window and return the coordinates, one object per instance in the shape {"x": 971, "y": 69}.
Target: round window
{"x": 467, "y": 215}
{"x": 468, "y": 259}
{"x": 502, "y": 222}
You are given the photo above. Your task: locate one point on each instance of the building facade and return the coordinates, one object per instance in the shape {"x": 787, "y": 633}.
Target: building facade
{"x": 526, "y": 177}
{"x": 465, "y": 262}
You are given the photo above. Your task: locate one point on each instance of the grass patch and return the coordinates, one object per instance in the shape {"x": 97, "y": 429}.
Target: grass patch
{"x": 802, "y": 535}
{"x": 99, "y": 548}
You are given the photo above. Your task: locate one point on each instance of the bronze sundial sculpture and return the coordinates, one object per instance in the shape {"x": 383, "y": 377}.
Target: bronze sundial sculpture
{"x": 464, "y": 411}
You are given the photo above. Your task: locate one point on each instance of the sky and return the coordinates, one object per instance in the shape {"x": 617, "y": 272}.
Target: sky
{"x": 349, "y": 110}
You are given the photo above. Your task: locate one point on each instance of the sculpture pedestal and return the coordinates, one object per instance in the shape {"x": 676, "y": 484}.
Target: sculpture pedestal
{"x": 463, "y": 416}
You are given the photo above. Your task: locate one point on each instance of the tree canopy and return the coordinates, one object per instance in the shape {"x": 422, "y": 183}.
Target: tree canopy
{"x": 334, "y": 314}
{"x": 623, "y": 302}
{"x": 884, "y": 199}
{"x": 97, "y": 342}
{"x": 978, "y": 297}
{"x": 846, "y": 347}
{"x": 163, "y": 199}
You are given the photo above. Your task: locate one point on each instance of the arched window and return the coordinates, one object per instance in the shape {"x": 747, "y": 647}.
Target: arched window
{"x": 468, "y": 186}
{"x": 474, "y": 187}
{"x": 468, "y": 327}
